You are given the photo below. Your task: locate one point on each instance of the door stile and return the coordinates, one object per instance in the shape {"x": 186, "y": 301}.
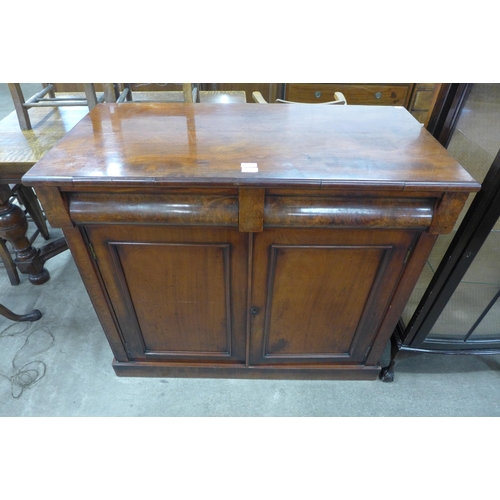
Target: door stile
{"x": 249, "y": 299}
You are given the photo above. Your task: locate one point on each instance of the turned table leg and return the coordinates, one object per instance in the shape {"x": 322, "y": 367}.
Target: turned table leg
{"x": 13, "y": 228}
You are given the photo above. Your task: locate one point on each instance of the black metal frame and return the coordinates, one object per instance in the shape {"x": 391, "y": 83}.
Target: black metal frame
{"x": 472, "y": 233}
{"x": 449, "y": 104}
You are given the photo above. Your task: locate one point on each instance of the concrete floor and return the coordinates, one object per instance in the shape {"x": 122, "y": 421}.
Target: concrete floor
{"x": 68, "y": 357}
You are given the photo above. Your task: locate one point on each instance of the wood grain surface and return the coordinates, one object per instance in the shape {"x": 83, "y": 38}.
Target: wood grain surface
{"x": 205, "y": 144}
{"x": 20, "y": 150}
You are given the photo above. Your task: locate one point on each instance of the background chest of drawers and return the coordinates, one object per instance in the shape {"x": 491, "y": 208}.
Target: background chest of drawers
{"x": 417, "y": 98}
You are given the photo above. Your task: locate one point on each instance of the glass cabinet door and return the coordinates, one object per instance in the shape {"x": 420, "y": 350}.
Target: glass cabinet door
{"x": 456, "y": 304}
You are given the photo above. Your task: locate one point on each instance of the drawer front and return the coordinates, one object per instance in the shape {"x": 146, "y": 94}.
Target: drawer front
{"x": 422, "y": 101}
{"x": 371, "y": 94}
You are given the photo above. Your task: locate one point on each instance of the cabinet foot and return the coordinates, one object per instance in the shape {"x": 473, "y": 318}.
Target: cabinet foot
{"x": 387, "y": 373}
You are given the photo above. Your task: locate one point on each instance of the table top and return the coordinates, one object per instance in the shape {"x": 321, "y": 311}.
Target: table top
{"x": 313, "y": 146}
{"x": 21, "y": 149}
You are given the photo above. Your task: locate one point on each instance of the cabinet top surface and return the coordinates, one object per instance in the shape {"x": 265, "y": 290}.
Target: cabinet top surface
{"x": 179, "y": 144}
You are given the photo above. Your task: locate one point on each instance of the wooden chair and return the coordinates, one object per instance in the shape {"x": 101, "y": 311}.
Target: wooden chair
{"x": 190, "y": 93}
{"x": 8, "y": 263}
{"x": 22, "y": 105}
{"x": 339, "y": 99}
{"x": 123, "y": 92}
{"x": 32, "y": 208}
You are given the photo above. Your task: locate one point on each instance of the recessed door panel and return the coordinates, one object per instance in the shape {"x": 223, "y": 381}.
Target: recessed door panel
{"x": 179, "y": 311}
{"x": 335, "y": 298}
{"x": 177, "y": 293}
{"x": 323, "y": 294}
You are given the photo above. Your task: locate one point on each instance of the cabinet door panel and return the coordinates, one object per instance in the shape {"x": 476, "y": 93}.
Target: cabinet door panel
{"x": 177, "y": 293}
{"x": 323, "y": 294}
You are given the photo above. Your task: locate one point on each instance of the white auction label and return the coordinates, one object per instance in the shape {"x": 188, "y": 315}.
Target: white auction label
{"x": 249, "y": 167}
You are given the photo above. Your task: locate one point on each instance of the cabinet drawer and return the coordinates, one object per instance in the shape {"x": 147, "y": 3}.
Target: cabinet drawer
{"x": 423, "y": 100}
{"x": 371, "y": 94}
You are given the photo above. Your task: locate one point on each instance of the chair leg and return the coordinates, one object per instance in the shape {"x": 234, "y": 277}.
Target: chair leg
{"x": 90, "y": 95}
{"x": 129, "y": 93}
{"x": 51, "y": 92}
{"x": 9, "y": 264}
{"x": 187, "y": 90}
{"x": 30, "y": 201}
{"x": 34, "y": 315}
{"x": 111, "y": 92}
{"x": 22, "y": 112}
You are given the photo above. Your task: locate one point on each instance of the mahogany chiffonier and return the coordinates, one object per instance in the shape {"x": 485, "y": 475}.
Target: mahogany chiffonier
{"x": 249, "y": 240}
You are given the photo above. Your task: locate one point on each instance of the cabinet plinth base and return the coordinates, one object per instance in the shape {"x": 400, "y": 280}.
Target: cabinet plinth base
{"x": 337, "y": 372}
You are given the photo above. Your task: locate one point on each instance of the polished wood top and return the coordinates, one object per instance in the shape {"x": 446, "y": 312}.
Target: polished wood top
{"x": 21, "y": 149}
{"x": 314, "y": 146}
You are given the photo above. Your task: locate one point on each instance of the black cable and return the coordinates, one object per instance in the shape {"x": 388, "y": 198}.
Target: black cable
{"x": 25, "y": 376}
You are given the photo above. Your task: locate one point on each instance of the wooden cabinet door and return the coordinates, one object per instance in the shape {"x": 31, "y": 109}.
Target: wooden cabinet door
{"x": 319, "y": 296}
{"x": 179, "y": 294}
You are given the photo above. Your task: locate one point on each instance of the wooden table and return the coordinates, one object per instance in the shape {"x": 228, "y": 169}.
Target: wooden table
{"x": 250, "y": 240}
{"x": 19, "y": 151}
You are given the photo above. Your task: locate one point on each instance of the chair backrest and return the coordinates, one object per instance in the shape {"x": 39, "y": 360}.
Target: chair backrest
{"x": 338, "y": 96}
{"x": 190, "y": 93}
{"x": 121, "y": 92}
{"x": 22, "y": 105}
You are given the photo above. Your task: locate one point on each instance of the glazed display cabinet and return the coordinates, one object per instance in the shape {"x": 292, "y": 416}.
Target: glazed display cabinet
{"x": 455, "y": 307}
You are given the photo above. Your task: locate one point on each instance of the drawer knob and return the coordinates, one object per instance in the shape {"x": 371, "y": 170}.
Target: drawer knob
{"x": 378, "y": 95}
{"x": 317, "y": 94}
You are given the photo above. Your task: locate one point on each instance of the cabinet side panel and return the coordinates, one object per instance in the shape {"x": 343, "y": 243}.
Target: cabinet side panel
{"x": 96, "y": 290}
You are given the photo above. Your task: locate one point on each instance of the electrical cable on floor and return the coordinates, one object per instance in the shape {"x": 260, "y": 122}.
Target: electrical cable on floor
{"x": 25, "y": 376}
